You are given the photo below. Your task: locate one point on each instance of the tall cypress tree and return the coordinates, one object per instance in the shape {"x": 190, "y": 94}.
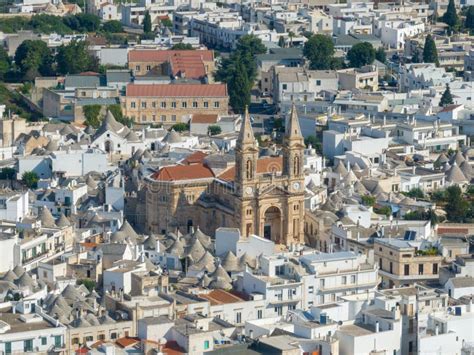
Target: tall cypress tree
{"x": 450, "y": 17}
{"x": 239, "y": 88}
{"x": 430, "y": 53}
{"x": 469, "y": 23}
{"x": 147, "y": 22}
{"x": 446, "y": 98}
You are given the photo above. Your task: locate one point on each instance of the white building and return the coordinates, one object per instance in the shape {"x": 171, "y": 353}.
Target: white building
{"x": 13, "y": 205}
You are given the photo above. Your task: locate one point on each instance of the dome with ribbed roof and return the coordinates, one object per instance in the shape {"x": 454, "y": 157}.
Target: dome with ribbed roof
{"x": 46, "y": 218}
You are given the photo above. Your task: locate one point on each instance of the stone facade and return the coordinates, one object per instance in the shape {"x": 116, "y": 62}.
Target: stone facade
{"x": 259, "y": 196}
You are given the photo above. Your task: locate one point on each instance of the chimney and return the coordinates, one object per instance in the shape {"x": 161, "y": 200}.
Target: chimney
{"x": 377, "y": 326}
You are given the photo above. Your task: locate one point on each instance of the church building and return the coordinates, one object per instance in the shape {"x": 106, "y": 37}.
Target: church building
{"x": 261, "y": 196}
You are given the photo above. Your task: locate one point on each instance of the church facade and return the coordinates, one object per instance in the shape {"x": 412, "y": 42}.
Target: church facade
{"x": 262, "y": 196}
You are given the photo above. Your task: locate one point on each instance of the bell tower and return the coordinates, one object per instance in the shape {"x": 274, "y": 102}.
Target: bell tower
{"x": 246, "y": 156}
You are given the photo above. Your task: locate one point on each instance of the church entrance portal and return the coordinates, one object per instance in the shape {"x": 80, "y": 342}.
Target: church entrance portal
{"x": 272, "y": 224}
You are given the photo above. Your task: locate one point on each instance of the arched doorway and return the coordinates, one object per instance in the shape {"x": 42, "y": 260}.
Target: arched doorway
{"x": 108, "y": 147}
{"x": 272, "y": 224}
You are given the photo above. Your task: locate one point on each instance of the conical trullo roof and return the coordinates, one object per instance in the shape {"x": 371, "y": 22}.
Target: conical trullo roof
{"x": 172, "y": 137}
{"x": 340, "y": 169}
{"x": 442, "y": 159}
{"x": 90, "y": 182}
{"x": 203, "y": 238}
{"x": 455, "y": 175}
{"x": 467, "y": 170}
{"x": 63, "y": 221}
{"x": 25, "y": 280}
{"x": 129, "y": 232}
{"x": 230, "y": 262}
{"x": 458, "y": 158}
{"x": 46, "y": 218}
{"x": 18, "y": 270}
{"x": 176, "y": 248}
{"x": 9, "y": 276}
{"x": 196, "y": 250}
{"x": 52, "y": 146}
{"x": 221, "y": 273}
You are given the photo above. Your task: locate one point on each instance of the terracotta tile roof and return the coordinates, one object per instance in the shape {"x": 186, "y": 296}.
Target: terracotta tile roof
{"x": 161, "y": 56}
{"x": 195, "y": 158}
{"x": 450, "y": 108}
{"x": 189, "y": 67}
{"x": 89, "y": 245}
{"x": 183, "y": 172}
{"x": 177, "y": 90}
{"x": 264, "y": 165}
{"x": 203, "y": 118}
{"x": 448, "y": 230}
{"x": 172, "y": 348}
{"x": 127, "y": 341}
{"x": 221, "y": 297}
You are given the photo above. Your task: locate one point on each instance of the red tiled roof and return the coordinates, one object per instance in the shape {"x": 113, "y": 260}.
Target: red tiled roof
{"x": 195, "y": 158}
{"x": 126, "y": 341}
{"x": 172, "y": 348}
{"x": 153, "y": 55}
{"x": 183, "y": 172}
{"x": 189, "y": 67}
{"x": 221, "y": 297}
{"x": 176, "y": 90}
{"x": 89, "y": 245}
{"x": 264, "y": 165}
{"x": 450, "y": 108}
{"x": 443, "y": 230}
{"x": 203, "y": 118}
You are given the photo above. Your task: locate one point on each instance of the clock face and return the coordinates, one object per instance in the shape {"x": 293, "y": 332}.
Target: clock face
{"x": 296, "y": 185}
{"x": 249, "y": 190}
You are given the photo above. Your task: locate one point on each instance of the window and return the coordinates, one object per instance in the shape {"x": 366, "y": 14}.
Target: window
{"x": 89, "y": 338}
{"x": 76, "y": 340}
{"x": 238, "y": 317}
{"x": 28, "y": 345}
{"x": 259, "y": 314}
{"x": 195, "y": 104}
{"x": 206, "y": 344}
{"x": 318, "y": 82}
{"x": 143, "y": 104}
{"x": 163, "y": 104}
{"x": 420, "y": 269}
{"x": 173, "y": 118}
{"x": 407, "y": 269}
{"x": 216, "y": 104}
{"x": 58, "y": 341}
{"x": 173, "y": 104}
{"x": 284, "y": 86}
{"x": 206, "y": 104}
{"x": 113, "y": 335}
{"x": 353, "y": 279}
{"x": 344, "y": 280}
{"x": 148, "y": 67}
{"x": 137, "y": 68}
{"x": 163, "y": 118}
{"x": 132, "y": 104}
{"x": 279, "y": 310}
{"x": 435, "y": 269}
{"x": 184, "y": 104}
{"x": 8, "y": 347}
{"x": 44, "y": 341}
{"x": 153, "y": 104}
{"x": 321, "y": 283}
{"x": 311, "y": 289}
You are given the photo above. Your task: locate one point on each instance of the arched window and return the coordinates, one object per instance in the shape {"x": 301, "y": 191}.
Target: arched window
{"x": 249, "y": 169}
{"x": 296, "y": 166}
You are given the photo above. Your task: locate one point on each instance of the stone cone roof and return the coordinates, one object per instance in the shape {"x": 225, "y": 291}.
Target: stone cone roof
{"x": 46, "y": 218}
{"x": 203, "y": 238}
{"x": 118, "y": 237}
{"x": 230, "y": 262}
{"x": 195, "y": 250}
{"x": 442, "y": 159}
{"x": 455, "y": 175}
{"x": 18, "y": 270}
{"x": 176, "y": 248}
{"x": 90, "y": 182}
{"x": 467, "y": 170}
{"x": 172, "y": 137}
{"x": 247, "y": 260}
{"x": 206, "y": 263}
{"x": 340, "y": 169}
{"x": 63, "y": 221}
{"x": 356, "y": 167}
{"x": 458, "y": 158}
{"x": 360, "y": 188}
{"x": 221, "y": 273}
{"x": 9, "y": 276}
{"x": 52, "y": 146}
{"x": 129, "y": 232}
{"x": 25, "y": 280}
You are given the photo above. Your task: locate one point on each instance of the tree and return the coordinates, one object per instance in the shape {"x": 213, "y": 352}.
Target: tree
{"x": 180, "y": 127}
{"x": 281, "y": 42}
{"x": 147, "y": 22}
{"x": 361, "y": 54}
{"x": 384, "y": 210}
{"x": 368, "y": 200}
{"x": 456, "y": 207}
{"x": 469, "y": 22}
{"x": 74, "y": 58}
{"x": 315, "y": 142}
{"x": 381, "y": 55}
{"x": 430, "y": 53}
{"x": 450, "y": 17}
{"x": 319, "y": 50}
{"x": 83, "y": 22}
{"x": 4, "y": 63}
{"x": 239, "y": 71}
{"x": 183, "y": 47}
{"x": 33, "y": 58}
{"x": 7, "y": 173}
{"x": 30, "y": 179}
{"x": 116, "y": 111}
{"x": 91, "y": 113}
{"x": 415, "y": 193}
{"x": 214, "y": 130}
{"x": 166, "y": 22}
{"x": 113, "y": 26}
{"x": 88, "y": 283}
{"x": 446, "y": 98}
